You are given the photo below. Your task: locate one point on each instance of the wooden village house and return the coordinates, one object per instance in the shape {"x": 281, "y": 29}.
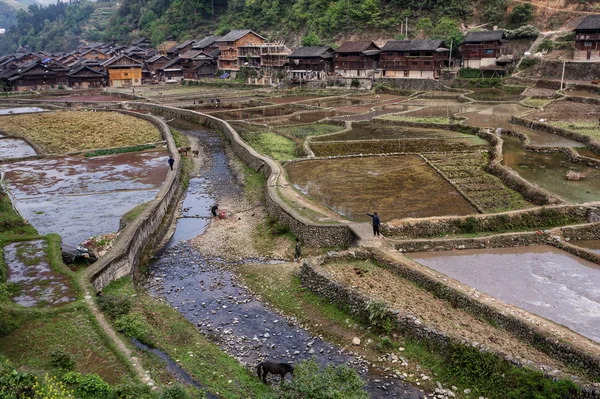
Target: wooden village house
{"x": 310, "y": 63}
{"x": 171, "y": 72}
{"x": 423, "y": 59}
{"x": 197, "y": 65}
{"x": 356, "y": 59}
{"x": 38, "y": 75}
{"x": 481, "y": 50}
{"x": 124, "y": 71}
{"x": 230, "y": 59}
{"x": 85, "y": 77}
{"x": 587, "y": 39}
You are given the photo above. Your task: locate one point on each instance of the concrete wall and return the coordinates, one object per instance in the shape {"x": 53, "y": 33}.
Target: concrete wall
{"x": 318, "y": 281}
{"x": 310, "y": 233}
{"x": 123, "y": 258}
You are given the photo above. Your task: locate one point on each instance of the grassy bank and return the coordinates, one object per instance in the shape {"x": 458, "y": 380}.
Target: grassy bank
{"x": 158, "y": 325}
{"x": 583, "y": 127}
{"x": 120, "y": 150}
{"x": 61, "y": 132}
{"x": 484, "y": 374}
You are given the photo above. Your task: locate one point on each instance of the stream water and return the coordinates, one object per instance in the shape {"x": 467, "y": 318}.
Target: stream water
{"x": 208, "y": 294}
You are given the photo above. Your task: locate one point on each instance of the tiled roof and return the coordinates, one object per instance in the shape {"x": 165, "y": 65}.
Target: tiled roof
{"x": 412, "y": 45}
{"x": 484, "y": 36}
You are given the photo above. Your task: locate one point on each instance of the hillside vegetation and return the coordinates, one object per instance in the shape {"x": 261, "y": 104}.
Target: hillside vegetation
{"x": 60, "y": 26}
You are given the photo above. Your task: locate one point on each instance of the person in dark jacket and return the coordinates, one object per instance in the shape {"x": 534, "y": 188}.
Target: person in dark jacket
{"x": 376, "y": 223}
{"x": 214, "y": 209}
{"x": 298, "y": 250}
{"x": 171, "y": 161}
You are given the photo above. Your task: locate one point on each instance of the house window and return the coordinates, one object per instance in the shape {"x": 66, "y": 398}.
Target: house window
{"x": 489, "y": 51}
{"x": 414, "y": 54}
{"x": 125, "y": 74}
{"x": 474, "y": 52}
{"x": 427, "y": 63}
{"x": 414, "y": 63}
{"x": 587, "y": 44}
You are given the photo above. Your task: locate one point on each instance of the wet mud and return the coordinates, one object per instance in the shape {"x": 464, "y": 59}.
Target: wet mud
{"x": 549, "y": 171}
{"x": 29, "y": 270}
{"x": 541, "y": 279}
{"x": 80, "y": 197}
{"x": 14, "y": 148}
{"x": 395, "y": 186}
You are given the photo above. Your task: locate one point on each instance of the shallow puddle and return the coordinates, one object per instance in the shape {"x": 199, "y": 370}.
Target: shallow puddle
{"x": 541, "y": 279}
{"x": 30, "y": 271}
{"x": 585, "y": 152}
{"x": 549, "y": 171}
{"x": 339, "y": 103}
{"x": 301, "y": 118}
{"x": 289, "y": 99}
{"x": 395, "y": 186}
{"x": 15, "y": 148}
{"x": 581, "y": 93}
{"x": 444, "y": 111}
{"x": 79, "y": 197}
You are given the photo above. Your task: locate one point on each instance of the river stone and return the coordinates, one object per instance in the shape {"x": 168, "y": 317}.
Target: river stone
{"x": 356, "y": 341}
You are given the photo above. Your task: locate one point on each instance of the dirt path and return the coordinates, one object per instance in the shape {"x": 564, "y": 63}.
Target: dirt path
{"x": 142, "y": 374}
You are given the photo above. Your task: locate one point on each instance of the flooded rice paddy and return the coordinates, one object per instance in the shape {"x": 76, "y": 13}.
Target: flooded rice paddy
{"x": 493, "y": 95}
{"x": 541, "y": 279}
{"x": 255, "y": 113}
{"x": 394, "y": 186}
{"x": 29, "y": 271}
{"x": 549, "y": 171}
{"x": 11, "y": 148}
{"x": 80, "y": 197}
{"x": 21, "y": 110}
{"x": 592, "y": 245}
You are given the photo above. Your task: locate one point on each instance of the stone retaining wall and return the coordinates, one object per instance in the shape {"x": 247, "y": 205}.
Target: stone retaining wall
{"x": 310, "y": 233}
{"x": 123, "y": 258}
{"x": 320, "y": 283}
{"x": 524, "y": 219}
{"x": 590, "y": 142}
{"x": 413, "y": 84}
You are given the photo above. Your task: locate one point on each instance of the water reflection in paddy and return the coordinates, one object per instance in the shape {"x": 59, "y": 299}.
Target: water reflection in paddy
{"x": 543, "y": 280}
{"x": 21, "y": 110}
{"x": 592, "y": 245}
{"x": 396, "y": 187}
{"x": 300, "y": 118}
{"x": 549, "y": 170}
{"x": 14, "y": 148}
{"x": 255, "y": 113}
{"x": 498, "y": 116}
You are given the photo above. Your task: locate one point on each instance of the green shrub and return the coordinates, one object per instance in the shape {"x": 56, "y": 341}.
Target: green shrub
{"x": 469, "y": 73}
{"x": 521, "y": 14}
{"x": 332, "y": 382}
{"x": 470, "y": 225}
{"x": 524, "y": 32}
{"x": 385, "y": 344}
{"x": 132, "y": 325}
{"x": 61, "y": 359}
{"x": 355, "y": 83}
{"x": 379, "y": 315}
{"x": 527, "y": 63}
{"x": 175, "y": 392}
{"x": 115, "y": 306}
{"x": 546, "y": 44}
{"x": 88, "y": 385}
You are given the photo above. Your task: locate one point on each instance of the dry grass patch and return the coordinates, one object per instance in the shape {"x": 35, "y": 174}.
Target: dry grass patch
{"x": 61, "y": 132}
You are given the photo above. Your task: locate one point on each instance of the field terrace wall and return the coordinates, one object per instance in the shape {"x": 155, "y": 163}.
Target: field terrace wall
{"x": 319, "y": 282}
{"x": 590, "y": 142}
{"x": 524, "y": 219}
{"x": 310, "y": 233}
{"x": 125, "y": 254}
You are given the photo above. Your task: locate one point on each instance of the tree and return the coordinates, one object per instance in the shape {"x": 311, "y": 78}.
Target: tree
{"x": 520, "y": 15}
{"x": 311, "y": 40}
{"x": 448, "y": 31}
{"x": 424, "y": 28}
{"x": 331, "y": 382}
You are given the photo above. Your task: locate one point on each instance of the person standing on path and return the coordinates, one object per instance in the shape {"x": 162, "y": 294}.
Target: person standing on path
{"x": 376, "y": 223}
{"x": 298, "y": 250}
{"x": 171, "y": 161}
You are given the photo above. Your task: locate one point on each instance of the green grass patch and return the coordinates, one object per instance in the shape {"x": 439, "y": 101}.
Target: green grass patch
{"x": 270, "y": 144}
{"x": 254, "y": 183}
{"x": 120, "y": 150}
{"x": 170, "y": 332}
{"x": 536, "y": 102}
{"x": 417, "y": 119}
{"x": 588, "y": 128}
{"x": 311, "y": 130}
{"x": 132, "y": 214}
